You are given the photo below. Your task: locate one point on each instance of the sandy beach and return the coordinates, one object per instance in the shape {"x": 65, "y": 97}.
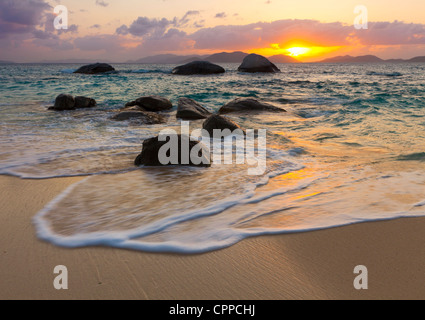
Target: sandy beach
{"x": 312, "y": 265}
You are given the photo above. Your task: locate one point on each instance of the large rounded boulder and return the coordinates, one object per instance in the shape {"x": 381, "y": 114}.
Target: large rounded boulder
{"x": 95, "y": 68}
{"x": 256, "y": 63}
{"x": 245, "y": 105}
{"x": 152, "y": 147}
{"x": 198, "y": 67}
{"x": 189, "y": 109}
{"x": 64, "y": 102}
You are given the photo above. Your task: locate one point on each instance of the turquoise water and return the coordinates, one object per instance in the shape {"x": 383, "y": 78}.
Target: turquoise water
{"x": 351, "y": 148}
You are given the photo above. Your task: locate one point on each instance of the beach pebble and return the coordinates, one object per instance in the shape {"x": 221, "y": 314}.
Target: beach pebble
{"x": 256, "y": 63}
{"x": 152, "y": 146}
{"x": 189, "y": 109}
{"x": 198, "y": 67}
{"x": 151, "y": 103}
{"x": 248, "y": 105}
{"x": 95, "y": 68}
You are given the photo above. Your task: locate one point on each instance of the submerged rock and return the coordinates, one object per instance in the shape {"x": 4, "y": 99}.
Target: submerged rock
{"x": 189, "y": 109}
{"x": 142, "y": 117}
{"x": 64, "y": 102}
{"x": 151, "y": 103}
{"x": 248, "y": 105}
{"x": 151, "y": 151}
{"x": 133, "y": 108}
{"x": 256, "y": 63}
{"x": 216, "y": 121}
{"x": 84, "y": 102}
{"x": 198, "y": 67}
{"x": 95, "y": 68}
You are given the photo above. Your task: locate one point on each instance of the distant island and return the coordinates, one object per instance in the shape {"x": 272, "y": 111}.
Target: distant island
{"x": 368, "y": 59}
{"x": 79, "y": 61}
{"x": 238, "y": 56}
{"x": 222, "y": 57}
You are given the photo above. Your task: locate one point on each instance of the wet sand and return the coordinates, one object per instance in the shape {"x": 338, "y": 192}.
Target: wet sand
{"x": 311, "y": 265}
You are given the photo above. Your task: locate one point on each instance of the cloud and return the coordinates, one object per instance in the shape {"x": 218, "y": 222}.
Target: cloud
{"x": 146, "y": 26}
{"x": 306, "y": 32}
{"x": 103, "y": 42}
{"x": 390, "y": 33}
{"x": 173, "y": 40}
{"x": 49, "y": 30}
{"x": 221, "y": 15}
{"x": 18, "y": 17}
{"x": 102, "y": 3}
{"x": 29, "y": 24}
{"x": 163, "y": 35}
{"x": 199, "y": 24}
{"x": 54, "y": 43}
{"x": 262, "y": 34}
{"x": 188, "y": 17}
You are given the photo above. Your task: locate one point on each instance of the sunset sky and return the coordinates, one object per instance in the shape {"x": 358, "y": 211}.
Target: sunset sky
{"x": 124, "y": 30}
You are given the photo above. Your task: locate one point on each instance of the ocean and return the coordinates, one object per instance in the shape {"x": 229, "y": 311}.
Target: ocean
{"x": 351, "y": 148}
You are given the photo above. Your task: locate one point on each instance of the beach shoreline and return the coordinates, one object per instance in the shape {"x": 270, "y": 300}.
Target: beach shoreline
{"x": 309, "y": 265}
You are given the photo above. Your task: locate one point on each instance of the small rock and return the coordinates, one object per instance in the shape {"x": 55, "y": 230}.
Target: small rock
{"x": 84, "y": 102}
{"x": 219, "y": 122}
{"x": 189, "y": 109}
{"x": 248, "y": 105}
{"x": 198, "y": 67}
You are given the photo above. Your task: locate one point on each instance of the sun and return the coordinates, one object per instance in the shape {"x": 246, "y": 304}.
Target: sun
{"x": 297, "y": 51}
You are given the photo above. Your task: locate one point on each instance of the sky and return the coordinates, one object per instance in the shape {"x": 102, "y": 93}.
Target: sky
{"x": 122, "y": 30}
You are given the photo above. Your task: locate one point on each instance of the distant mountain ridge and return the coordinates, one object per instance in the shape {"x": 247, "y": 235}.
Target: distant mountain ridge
{"x": 281, "y": 58}
{"x": 369, "y": 59}
{"x": 163, "y": 59}
{"x": 222, "y": 57}
{"x": 238, "y": 56}
{"x": 226, "y": 57}
{"x": 230, "y": 57}
{"x": 73, "y": 61}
